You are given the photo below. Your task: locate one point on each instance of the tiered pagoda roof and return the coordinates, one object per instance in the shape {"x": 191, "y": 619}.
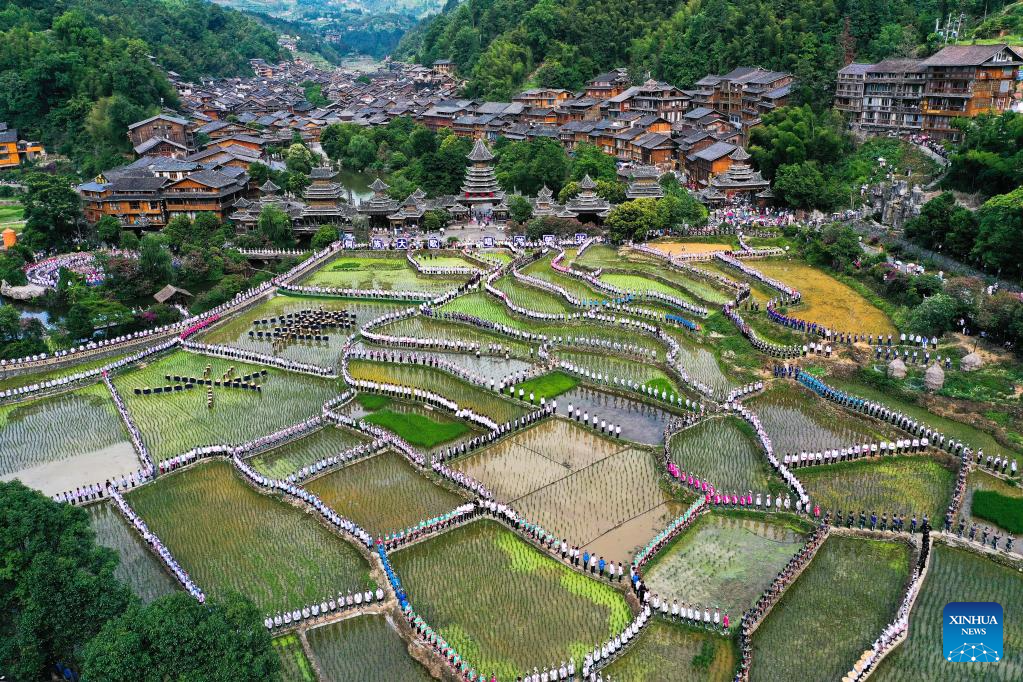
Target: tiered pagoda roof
{"x": 544, "y": 204}
{"x": 740, "y": 177}
{"x": 323, "y": 191}
{"x": 586, "y": 202}
{"x": 643, "y": 183}
{"x": 480, "y": 184}
{"x": 379, "y": 204}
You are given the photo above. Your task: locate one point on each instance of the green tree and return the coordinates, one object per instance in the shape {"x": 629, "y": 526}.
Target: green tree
{"x": 299, "y": 159}
{"x": 632, "y": 220}
{"x": 51, "y": 569}
{"x": 53, "y": 211}
{"x": 803, "y": 185}
{"x": 324, "y": 237}
{"x": 935, "y": 316}
{"x": 999, "y": 242}
{"x": 176, "y": 638}
{"x": 519, "y": 208}
{"x": 155, "y": 260}
{"x": 108, "y": 229}
{"x": 588, "y": 159}
{"x": 275, "y": 226}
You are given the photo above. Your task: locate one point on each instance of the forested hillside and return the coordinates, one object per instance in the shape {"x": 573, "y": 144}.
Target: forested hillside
{"x": 499, "y": 45}
{"x": 74, "y": 73}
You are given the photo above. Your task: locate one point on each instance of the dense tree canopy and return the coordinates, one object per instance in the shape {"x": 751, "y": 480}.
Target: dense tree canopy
{"x": 989, "y": 159}
{"x": 500, "y": 44}
{"x": 74, "y": 74}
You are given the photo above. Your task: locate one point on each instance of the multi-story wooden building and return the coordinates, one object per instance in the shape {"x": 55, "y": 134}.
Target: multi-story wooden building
{"x": 652, "y": 97}
{"x": 148, "y": 195}
{"x": 965, "y": 81}
{"x": 14, "y": 152}
{"x": 907, "y": 96}
{"x": 146, "y": 135}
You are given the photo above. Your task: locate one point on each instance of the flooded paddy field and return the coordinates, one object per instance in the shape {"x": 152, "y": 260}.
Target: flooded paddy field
{"x": 460, "y": 580}
{"x": 846, "y": 596}
{"x": 384, "y": 493}
{"x": 285, "y": 459}
{"x": 64, "y": 441}
{"x": 176, "y": 422}
{"x": 377, "y": 270}
{"x": 138, "y": 568}
{"x": 348, "y": 650}
{"x": 725, "y": 452}
{"x": 230, "y": 537}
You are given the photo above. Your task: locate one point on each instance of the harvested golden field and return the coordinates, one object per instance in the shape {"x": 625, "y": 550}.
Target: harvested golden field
{"x": 826, "y": 300}
{"x": 677, "y": 248}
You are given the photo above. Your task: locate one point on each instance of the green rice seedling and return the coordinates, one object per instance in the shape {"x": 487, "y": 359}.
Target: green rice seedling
{"x": 372, "y": 401}
{"x": 576, "y": 287}
{"x": 174, "y": 423}
{"x": 139, "y": 568}
{"x": 384, "y": 494}
{"x": 434, "y": 328}
{"x": 958, "y": 575}
{"x": 638, "y": 284}
{"x": 294, "y": 665}
{"x": 723, "y": 561}
{"x": 531, "y": 297}
{"x": 832, "y": 612}
{"x": 444, "y": 260}
{"x": 724, "y": 452}
{"x": 418, "y": 429}
{"x": 19, "y": 380}
{"x": 378, "y": 271}
{"x": 547, "y": 385}
{"x": 666, "y": 651}
{"x": 230, "y": 537}
{"x": 288, "y": 458}
{"x": 621, "y": 368}
{"x": 981, "y": 481}
{"x": 479, "y": 399}
{"x": 797, "y": 420}
{"x": 1002, "y": 510}
{"x": 903, "y": 484}
{"x": 63, "y": 441}
{"x": 364, "y": 647}
{"x": 502, "y": 604}
{"x": 488, "y": 308}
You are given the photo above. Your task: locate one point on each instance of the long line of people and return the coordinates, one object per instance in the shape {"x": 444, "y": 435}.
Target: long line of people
{"x": 756, "y": 613}
{"x": 310, "y": 613}
{"x": 232, "y": 353}
{"x": 133, "y": 431}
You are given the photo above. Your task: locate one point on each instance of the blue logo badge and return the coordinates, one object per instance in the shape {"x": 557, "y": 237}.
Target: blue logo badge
{"x": 971, "y": 632}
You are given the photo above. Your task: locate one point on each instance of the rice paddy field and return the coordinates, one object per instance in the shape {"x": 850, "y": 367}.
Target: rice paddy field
{"x": 389, "y": 272}
{"x": 434, "y": 328}
{"x": 293, "y": 455}
{"x": 684, "y": 654}
{"x": 431, "y": 259}
{"x": 139, "y": 568}
{"x": 832, "y": 612}
{"x": 384, "y": 493}
{"x": 61, "y": 442}
{"x": 796, "y": 420}
{"x": 502, "y": 604}
{"x": 230, "y": 537}
{"x": 631, "y": 370}
{"x": 958, "y": 575}
{"x": 235, "y": 332}
{"x": 19, "y": 380}
{"x": 979, "y": 480}
{"x": 478, "y": 399}
{"x": 904, "y": 484}
{"x": 295, "y": 666}
{"x": 172, "y": 424}
{"x": 531, "y": 297}
{"x": 723, "y": 561}
{"x": 826, "y": 300}
{"x": 725, "y": 452}
{"x": 685, "y": 248}
{"x": 355, "y": 648}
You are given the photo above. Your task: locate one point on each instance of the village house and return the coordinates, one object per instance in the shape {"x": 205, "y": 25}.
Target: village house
{"x": 14, "y": 151}
{"x": 161, "y": 135}
{"x": 926, "y": 96}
